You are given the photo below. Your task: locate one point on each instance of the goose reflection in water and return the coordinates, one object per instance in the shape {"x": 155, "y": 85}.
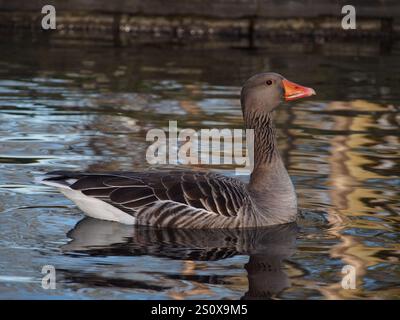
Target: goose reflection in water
{"x": 266, "y": 247}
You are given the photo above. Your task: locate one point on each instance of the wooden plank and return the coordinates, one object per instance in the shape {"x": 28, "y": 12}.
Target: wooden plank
{"x": 214, "y": 8}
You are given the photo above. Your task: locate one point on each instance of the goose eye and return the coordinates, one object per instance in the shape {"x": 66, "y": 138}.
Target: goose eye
{"x": 268, "y": 82}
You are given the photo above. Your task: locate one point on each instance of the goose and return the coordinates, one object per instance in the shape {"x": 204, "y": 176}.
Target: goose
{"x": 198, "y": 199}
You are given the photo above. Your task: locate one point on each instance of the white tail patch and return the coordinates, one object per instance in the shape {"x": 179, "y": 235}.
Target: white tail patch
{"x": 92, "y": 207}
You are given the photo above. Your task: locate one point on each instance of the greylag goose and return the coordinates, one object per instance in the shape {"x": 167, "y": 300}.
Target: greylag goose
{"x": 200, "y": 200}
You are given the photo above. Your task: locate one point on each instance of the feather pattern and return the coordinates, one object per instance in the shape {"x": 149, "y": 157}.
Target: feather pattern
{"x": 181, "y": 199}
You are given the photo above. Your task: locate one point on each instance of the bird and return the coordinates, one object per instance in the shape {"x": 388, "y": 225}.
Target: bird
{"x": 191, "y": 199}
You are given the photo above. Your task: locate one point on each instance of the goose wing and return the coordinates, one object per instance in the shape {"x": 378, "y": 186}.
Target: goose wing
{"x": 173, "y": 198}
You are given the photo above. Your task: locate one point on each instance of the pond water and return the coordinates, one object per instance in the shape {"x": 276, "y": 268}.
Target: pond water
{"x": 89, "y": 108}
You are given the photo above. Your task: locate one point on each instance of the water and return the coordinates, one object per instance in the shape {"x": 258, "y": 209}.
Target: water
{"x": 89, "y": 108}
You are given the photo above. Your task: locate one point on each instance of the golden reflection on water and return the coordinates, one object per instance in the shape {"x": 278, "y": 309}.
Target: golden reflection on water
{"x": 346, "y": 177}
{"x": 189, "y": 268}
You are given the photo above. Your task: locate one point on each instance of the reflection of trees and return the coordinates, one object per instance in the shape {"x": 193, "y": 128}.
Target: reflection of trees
{"x": 356, "y": 128}
{"x": 348, "y": 176}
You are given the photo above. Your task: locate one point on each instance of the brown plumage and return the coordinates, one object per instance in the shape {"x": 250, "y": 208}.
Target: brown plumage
{"x": 189, "y": 199}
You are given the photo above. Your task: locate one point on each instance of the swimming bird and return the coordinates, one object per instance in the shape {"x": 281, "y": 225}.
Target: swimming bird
{"x": 197, "y": 199}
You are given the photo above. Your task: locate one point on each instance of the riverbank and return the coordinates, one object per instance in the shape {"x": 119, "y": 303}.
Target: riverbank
{"x": 245, "y": 23}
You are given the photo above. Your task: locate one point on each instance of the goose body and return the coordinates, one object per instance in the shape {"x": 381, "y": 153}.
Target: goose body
{"x": 199, "y": 200}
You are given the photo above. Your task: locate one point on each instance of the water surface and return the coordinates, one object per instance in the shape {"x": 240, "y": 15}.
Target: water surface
{"x": 89, "y": 108}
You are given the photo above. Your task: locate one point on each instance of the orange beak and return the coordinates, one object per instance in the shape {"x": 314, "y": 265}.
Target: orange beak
{"x": 294, "y": 91}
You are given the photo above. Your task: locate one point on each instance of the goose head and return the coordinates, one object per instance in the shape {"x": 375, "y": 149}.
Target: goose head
{"x": 263, "y": 92}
